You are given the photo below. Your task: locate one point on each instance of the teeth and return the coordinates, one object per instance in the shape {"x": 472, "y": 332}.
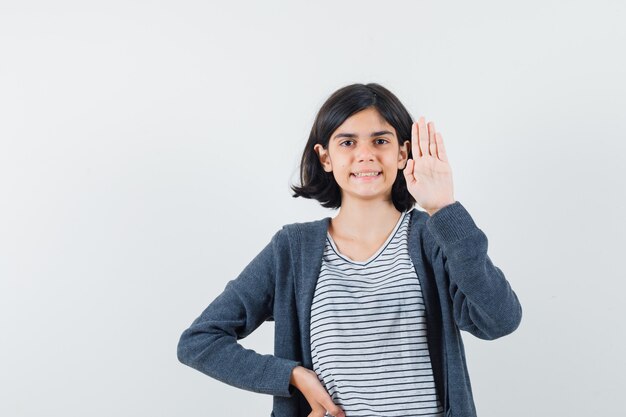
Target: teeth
{"x": 366, "y": 174}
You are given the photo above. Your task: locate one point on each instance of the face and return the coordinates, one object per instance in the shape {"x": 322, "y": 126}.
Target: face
{"x": 364, "y": 143}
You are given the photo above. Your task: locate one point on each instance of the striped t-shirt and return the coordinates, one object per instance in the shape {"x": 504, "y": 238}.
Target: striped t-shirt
{"x": 368, "y": 332}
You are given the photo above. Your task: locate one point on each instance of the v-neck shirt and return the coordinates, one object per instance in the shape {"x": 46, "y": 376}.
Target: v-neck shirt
{"x": 368, "y": 332}
{"x": 377, "y": 253}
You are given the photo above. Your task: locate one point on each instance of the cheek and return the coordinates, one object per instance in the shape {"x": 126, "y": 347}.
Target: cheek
{"x": 341, "y": 171}
{"x": 393, "y": 176}
{"x": 392, "y": 160}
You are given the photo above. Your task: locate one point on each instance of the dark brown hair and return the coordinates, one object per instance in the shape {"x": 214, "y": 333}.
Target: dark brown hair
{"x": 321, "y": 185}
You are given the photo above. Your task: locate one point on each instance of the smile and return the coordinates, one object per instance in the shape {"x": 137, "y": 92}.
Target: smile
{"x": 366, "y": 174}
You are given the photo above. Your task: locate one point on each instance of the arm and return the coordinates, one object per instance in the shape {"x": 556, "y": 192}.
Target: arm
{"x": 483, "y": 302}
{"x": 210, "y": 343}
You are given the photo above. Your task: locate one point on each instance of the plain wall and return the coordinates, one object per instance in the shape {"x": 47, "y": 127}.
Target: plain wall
{"x": 146, "y": 152}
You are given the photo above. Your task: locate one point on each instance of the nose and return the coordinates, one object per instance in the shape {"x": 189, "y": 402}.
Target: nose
{"x": 365, "y": 152}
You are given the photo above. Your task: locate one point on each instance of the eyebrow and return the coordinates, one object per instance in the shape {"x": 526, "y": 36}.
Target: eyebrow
{"x": 354, "y": 135}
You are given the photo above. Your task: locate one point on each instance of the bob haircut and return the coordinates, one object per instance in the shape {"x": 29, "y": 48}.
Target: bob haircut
{"x": 321, "y": 185}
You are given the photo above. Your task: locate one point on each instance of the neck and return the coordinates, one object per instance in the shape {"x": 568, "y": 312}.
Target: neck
{"x": 362, "y": 219}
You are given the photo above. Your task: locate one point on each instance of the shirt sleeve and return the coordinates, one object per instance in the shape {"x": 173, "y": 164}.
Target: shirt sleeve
{"x": 210, "y": 345}
{"x": 484, "y": 304}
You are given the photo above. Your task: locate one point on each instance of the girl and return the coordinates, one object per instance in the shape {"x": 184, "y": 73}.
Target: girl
{"x": 368, "y": 306}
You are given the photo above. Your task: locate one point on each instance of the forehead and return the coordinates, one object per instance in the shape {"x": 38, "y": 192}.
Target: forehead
{"x": 364, "y": 120}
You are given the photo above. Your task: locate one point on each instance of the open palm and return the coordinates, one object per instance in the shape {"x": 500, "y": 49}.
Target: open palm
{"x": 428, "y": 175}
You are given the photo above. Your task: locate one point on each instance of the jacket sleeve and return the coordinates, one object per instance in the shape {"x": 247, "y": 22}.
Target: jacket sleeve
{"x": 210, "y": 343}
{"x": 483, "y": 302}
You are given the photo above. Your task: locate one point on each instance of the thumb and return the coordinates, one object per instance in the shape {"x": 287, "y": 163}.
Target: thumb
{"x": 408, "y": 171}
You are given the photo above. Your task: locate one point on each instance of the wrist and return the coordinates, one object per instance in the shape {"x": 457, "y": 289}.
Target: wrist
{"x": 433, "y": 211}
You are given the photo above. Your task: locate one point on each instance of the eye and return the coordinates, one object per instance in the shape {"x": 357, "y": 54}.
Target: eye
{"x": 384, "y": 140}
{"x": 344, "y": 142}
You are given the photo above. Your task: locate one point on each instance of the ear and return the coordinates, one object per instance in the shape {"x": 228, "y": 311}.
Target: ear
{"x": 403, "y": 154}
{"x": 324, "y": 157}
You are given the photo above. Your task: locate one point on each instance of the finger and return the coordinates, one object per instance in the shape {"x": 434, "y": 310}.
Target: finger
{"x": 441, "y": 150}
{"x": 423, "y": 136}
{"x": 432, "y": 143}
{"x": 408, "y": 171}
{"x": 335, "y": 411}
{"x": 338, "y": 413}
{"x": 415, "y": 150}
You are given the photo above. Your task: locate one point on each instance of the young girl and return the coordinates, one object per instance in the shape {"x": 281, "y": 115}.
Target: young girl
{"x": 368, "y": 306}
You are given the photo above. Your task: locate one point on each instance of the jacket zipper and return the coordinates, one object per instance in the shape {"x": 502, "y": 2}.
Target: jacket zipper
{"x": 446, "y": 407}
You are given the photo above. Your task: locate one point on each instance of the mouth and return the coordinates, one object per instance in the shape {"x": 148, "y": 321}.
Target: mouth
{"x": 366, "y": 175}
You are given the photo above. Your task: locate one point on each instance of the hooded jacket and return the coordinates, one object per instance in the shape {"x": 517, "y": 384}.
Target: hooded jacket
{"x": 461, "y": 287}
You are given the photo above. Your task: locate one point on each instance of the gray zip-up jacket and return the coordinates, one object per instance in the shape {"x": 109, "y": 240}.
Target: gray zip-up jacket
{"x": 461, "y": 287}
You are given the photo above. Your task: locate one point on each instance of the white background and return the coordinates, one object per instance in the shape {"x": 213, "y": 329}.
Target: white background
{"x": 147, "y": 150}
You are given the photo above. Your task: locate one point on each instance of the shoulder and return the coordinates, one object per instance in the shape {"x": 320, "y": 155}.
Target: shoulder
{"x": 418, "y": 228}
{"x": 308, "y": 227}
{"x": 418, "y": 218}
{"x": 420, "y": 233}
{"x": 310, "y": 232}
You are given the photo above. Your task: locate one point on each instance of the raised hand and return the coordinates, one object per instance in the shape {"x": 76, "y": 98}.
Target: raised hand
{"x": 428, "y": 175}
{"x": 316, "y": 395}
